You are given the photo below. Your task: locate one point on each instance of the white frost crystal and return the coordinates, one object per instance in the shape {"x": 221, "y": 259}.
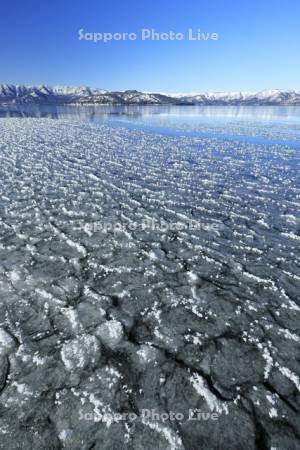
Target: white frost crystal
{"x": 110, "y": 333}
{"x": 80, "y": 353}
{"x": 6, "y": 342}
{"x": 147, "y": 354}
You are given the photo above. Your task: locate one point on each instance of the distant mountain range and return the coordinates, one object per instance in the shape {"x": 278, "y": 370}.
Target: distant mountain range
{"x": 60, "y": 95}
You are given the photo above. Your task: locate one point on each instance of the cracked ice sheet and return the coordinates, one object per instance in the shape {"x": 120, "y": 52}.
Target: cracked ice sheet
{"x": 221, "y": 301}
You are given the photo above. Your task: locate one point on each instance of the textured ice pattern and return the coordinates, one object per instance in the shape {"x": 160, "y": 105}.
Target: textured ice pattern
{"x": 98, "y": 320}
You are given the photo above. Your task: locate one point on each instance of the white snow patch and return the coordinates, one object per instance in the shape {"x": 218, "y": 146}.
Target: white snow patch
{"x": 202, "y": 389}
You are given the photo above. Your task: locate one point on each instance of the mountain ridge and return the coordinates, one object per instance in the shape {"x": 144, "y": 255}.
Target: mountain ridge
{"x": 82, "y": 95}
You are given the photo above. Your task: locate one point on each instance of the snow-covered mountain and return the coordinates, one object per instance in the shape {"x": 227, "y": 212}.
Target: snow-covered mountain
{"x": 45, "y": 94}
{"x": 267, "y": 97}
{"x": 16, "y": 94}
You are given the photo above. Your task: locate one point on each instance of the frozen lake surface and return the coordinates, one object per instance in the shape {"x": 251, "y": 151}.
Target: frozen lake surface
{"x": 149, "y": 259}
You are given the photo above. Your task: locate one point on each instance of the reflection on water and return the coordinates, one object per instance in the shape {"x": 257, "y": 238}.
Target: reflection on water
{"x": 255, "y": 124}
{"x": 222, "y": 113}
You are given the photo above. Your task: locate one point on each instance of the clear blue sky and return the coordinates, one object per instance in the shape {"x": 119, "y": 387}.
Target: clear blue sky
{"x": 258, "y": 48}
